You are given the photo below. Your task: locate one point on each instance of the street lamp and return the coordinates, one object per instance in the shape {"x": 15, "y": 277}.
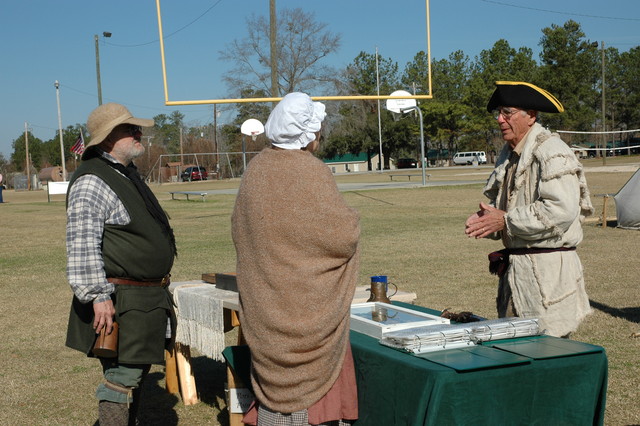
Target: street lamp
{"x": 604, "y": 127}
{"x": 95, "y": 37}
{"x": 400, "y": 106}
{"x": 64, "y": 168}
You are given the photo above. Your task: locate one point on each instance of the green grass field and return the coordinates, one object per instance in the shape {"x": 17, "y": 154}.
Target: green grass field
{"x": 414, "y": 235}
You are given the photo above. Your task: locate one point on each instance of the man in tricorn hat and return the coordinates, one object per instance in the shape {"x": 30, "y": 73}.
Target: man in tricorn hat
{"x": 538, "y": 197}
{"x": 120, "y": 250}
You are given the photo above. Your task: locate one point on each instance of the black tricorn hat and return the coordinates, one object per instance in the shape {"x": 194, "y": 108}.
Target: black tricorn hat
{"x": 523, "y": 95}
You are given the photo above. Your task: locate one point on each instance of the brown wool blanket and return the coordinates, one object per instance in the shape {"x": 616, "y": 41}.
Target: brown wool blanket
{"x": 297, "y": 262}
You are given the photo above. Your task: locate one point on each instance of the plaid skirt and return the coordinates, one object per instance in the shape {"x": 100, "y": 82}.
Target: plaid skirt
{"x": 299, "y": 418}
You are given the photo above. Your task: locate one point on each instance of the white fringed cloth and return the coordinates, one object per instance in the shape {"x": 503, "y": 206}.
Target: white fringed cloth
{"x": 200, "y": 319}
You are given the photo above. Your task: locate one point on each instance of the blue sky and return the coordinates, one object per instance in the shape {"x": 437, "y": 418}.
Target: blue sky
{"x": 44, "y": 41}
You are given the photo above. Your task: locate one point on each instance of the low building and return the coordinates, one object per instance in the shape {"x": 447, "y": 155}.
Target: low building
{"x": 351, "y": 163}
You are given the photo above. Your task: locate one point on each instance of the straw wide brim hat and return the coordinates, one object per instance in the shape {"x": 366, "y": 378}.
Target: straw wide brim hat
{"x": 105, "y": 118}
{"x": 523, "y": 95}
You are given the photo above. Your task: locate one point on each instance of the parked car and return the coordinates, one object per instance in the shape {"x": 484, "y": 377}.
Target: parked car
{"x": 407, "y": 163}
{"x": 469, "y": 157}
{"x": 194, "y": 173}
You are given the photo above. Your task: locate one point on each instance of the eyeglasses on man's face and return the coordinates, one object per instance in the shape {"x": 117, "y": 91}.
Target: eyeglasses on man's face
{"x": 505, "y": 112}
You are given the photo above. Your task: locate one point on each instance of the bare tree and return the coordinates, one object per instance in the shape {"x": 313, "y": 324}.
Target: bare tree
{"x": 302, "y": 43}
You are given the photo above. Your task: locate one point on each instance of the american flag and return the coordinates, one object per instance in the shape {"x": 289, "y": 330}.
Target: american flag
{"x": 78, "y": 147}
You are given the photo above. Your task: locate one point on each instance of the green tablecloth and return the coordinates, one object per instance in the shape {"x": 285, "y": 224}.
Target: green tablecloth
{"x": 554, "y": 384}
{"x": 535, "y": 381}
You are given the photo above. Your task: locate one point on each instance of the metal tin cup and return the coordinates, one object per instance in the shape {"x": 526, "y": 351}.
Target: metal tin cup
{"x": 380, "y": 279}
{"x": 379, "y": 289}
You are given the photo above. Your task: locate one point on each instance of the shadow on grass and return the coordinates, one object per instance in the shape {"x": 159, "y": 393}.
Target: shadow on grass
{"x": 211, "y": 377}
{"x": 610, "y": 224}
{"x": 629, "y": 314}
{"x": 158, "y": 406}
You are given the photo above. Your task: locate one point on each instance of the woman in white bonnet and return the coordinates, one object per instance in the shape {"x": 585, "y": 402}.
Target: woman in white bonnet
{"x": 297, "y": 266}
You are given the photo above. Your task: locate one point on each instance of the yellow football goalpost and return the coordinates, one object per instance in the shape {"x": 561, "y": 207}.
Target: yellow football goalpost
{"x": 317, "y": 98}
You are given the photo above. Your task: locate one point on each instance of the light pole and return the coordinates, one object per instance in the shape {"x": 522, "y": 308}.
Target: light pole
{"x": 604, "y": 126}
{"x": 95, "y": 37}
{"x": 26, "y": 151}
{"x": 64, "y": 168}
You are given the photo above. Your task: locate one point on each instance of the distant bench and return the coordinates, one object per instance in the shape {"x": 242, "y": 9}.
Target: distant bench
{"x": 409, "y": 176}
{"x": 187, "y": 193}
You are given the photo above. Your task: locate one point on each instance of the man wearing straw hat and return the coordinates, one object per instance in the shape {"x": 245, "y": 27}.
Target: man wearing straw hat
{"x": 538, "y": 198}
{"x": 120, "y": 249}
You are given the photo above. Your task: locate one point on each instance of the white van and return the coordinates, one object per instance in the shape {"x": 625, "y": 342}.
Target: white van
{"x": 469, "y": 157}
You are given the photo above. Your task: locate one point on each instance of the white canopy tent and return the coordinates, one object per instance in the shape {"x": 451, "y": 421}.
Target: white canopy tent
{"x": 628, "y": 203}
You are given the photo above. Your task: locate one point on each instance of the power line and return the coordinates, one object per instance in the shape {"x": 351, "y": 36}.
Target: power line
{"x": 561, "y": 13}
{"x": 170, "y": 35}
{"x": 42, "y": 127}
{"x": 598, "y": 133}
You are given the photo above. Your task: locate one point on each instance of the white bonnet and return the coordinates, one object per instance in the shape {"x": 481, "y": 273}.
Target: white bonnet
{"x": 294, "y": 121}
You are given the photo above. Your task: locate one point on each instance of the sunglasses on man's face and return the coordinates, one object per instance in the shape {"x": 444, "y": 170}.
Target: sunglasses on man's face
{"x": 133, "y": 130}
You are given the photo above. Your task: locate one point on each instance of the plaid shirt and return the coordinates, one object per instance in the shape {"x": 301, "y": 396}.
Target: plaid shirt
{"x": 91, "y": 205}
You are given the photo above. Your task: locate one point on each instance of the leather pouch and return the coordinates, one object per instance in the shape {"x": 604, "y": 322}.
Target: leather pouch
{"x": 106, "y": 345}
{"x": 498, "y": 262}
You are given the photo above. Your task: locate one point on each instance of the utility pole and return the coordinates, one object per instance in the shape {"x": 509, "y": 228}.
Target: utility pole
{"x": 95, "y": 37}
{"x": 181, "y": 150}
{"x": 215, "y": 139}
{"x": 380, "y": 162}
{"x": 26, "y": 148}
{"x": 274, "y": 49}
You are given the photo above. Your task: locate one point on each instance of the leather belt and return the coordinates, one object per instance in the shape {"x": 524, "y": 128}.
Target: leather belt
{"x": 164, "y": 282}
{"x": 535, "y": 250}
{"x": 499, "y": 260}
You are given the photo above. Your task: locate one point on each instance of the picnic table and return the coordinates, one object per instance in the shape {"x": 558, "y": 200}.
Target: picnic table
{"x": 187, "y": 193}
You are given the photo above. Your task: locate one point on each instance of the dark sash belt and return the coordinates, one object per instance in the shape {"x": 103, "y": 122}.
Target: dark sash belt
{"x": 163, "y": 282}
{"x": 499, "y": 260}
